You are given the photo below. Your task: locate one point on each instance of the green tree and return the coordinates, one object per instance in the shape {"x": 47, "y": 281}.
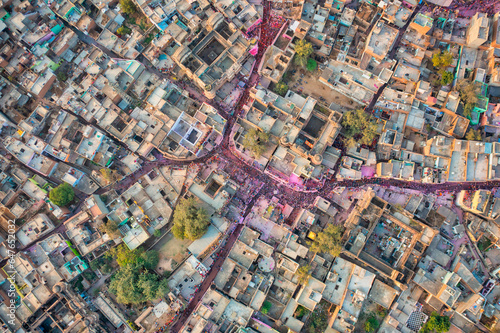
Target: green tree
{"x": 266, "y": 306}
{"x": 474, "y": 135}
{"x": 436, "y": 323}
{"x": 190, "y": 222}
{"x": 110, "y": 175}
{"x": 132, "y": 286}
{"x": 328, "y": 241}
{"x": 124, "y": 256}
{"x": 157, "y": 233}
{"x": 311, "y": 64}
{"x": 371, "y": 324}
{"x": 301, "y": 312}
{"x": 149, "y": 259}
{"x": 349, "y": 142}
{"x": 469, "y": 92}
{"x": 303, "y": 49}
{"x": 446, "y": 78}
{"x": 106, "y": 268}
{"x": 381, "y": 311}
{"x": 304, "y": 274}
{"x": 123, "y": 30}
{"x": 128, "y": 7}
{"x": 62, "y": 195}
{"x": 110, "y": 228}
{"x": 442, "y": 60}
{"x": 356, "y": 124}
{"x": 61, "y": 76}
{"x": 255, "y": 141}
{"x": 468, "y": 110}
{"x": 281, "y": 88}
{"x": 318, "y": 320}
{"x": 95, "y": 265}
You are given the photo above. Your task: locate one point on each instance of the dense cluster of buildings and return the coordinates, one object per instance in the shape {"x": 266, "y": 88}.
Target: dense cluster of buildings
{"x": 118, "y": 106}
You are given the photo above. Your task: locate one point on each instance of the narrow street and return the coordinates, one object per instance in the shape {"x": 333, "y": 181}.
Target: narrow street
{"x": 208, "y": 280}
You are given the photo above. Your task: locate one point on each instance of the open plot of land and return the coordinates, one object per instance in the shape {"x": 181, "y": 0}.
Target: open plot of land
{"x": 172, "y": 252}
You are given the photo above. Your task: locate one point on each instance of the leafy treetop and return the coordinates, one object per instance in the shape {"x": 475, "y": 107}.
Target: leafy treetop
{"x": 135, "y": 282}
{"x": 303, "y": 48}
{"x": 110, "y": 228}
{"x": 303, "y": 274}
{"x": 443, "y": 59}
{"x": 255, "y": 141}
{"x": 62, "y": 194}
{"x": 137, "y": 257}
{"x": 469, "y": 92}
{"x": 328, "y": 241}
{"x": 281, "y": 88}
{"x": 190, "y": 222}
{"x": 133, "y": 287}
{"x": 311, "y": 65}
{"x": 436, "y": 323}
{"x": 123, "y": 30}
{"x": 371, "y": 324}
{"x": 446, "y": 78}
{"x": 128, "y": 7}
{"x": 266, "y": 306}
{"x": 357, "y": 123}
{"x": 473, "y": 135}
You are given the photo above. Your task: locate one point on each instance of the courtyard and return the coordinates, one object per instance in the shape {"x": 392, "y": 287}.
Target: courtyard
{"x": 172, "y": 252}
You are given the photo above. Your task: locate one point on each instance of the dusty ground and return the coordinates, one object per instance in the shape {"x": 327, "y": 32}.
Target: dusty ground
{"x": 313, "y": 87}
{"x": 172, "y": 252}
{"x": 368, "y": 308}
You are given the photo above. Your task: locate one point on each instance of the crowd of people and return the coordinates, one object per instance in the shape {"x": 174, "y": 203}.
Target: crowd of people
{"x": 464, "y": 8}
{"x": 470, "y": 7}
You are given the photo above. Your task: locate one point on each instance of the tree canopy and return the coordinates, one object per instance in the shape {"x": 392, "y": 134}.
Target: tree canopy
{"x": 123, "y": 30}
{"x": 62, "y": 194}
{"x": 190, "y": 222}
{"x": 328, "y": 241}
{"x": 110, "y": 175}
{"x": 137, "y": 257}
{"x": 134, "y": 287}
{"x": 469, "y": 93}
{"x": 446, "y": 78}
{"x": 436, "y": 323}
{"x": 303, "y": 274}
{"x": 442, "y": 60}
{"x": 474, "y": 135}
{"x": 110, "y": 228}
{"x": 371, "y": 324}
{"x": 281, "y": 88}
{"x": 128, "y": 7}
{"x": 61, "y": 76}
{"x": 266, "y": 306}
{"x": 255, "y": 141}
{"x": 135, "y": 282}
{"x": 311, "y": 64}
{"x": 103, "y": 264}
{"x": 356, "y": 124}
{"x": 303, "y": 50}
